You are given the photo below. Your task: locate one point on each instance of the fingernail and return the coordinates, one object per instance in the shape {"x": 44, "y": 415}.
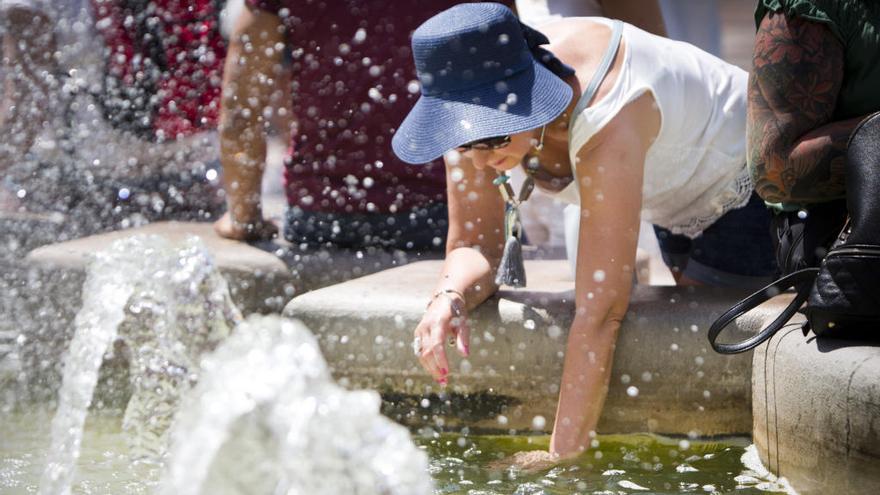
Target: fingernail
{"x": 442, "y": 381}
{"x": 467, "y": 350}
{"x": 443, "y": 371}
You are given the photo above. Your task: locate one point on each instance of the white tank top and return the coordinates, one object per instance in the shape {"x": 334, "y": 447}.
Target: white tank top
{"x": 695, "y": 171}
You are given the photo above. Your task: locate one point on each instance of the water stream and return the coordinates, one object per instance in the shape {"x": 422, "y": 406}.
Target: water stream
{"x": 166, "y": 305}
{"x": 267, "y": 417}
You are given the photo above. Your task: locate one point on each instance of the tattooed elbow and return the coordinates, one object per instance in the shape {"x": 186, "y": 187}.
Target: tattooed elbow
{"x": 769, "y": 181}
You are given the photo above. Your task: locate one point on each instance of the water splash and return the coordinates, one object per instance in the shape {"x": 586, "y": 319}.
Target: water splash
{"x": 168, "y": 305}
{"x": 266, "y": 417}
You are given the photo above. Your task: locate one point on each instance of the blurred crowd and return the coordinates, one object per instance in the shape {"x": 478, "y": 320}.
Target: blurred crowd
{"x": 110, "y": 113}
{"x": 116, "y": 113}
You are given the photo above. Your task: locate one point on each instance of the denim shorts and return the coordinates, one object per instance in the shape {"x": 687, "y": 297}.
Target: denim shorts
{"x": 420, "y": 229}
{"x": 735, "y": 251}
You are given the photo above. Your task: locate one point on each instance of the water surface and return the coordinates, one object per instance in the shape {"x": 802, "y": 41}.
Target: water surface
{"x": 459, "y": 464}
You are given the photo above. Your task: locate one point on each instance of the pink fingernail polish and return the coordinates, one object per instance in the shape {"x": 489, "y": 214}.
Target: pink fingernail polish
{"x": 443, "y": 371}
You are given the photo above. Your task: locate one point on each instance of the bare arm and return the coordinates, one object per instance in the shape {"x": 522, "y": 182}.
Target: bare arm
{"x": 796, "y": 152}
{"x": 610, "y": 176}
{"x": 473, "y": 250}
{"x": 475, "y": 239}
{"x": 249, "y": 76}
{"x": 644, "y": 14}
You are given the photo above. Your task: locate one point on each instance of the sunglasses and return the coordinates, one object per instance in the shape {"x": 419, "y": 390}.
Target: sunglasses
{"x": 492, "y": 143}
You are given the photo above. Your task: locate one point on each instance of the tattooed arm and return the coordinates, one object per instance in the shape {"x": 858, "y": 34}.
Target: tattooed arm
{"x": 796, "y": 152}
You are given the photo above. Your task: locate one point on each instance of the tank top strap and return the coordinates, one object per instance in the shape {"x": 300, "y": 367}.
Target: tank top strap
{"x": 599, "y": 75}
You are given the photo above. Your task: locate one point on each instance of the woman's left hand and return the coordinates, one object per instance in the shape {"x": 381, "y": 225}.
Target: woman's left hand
{"x": 530, "y": 461}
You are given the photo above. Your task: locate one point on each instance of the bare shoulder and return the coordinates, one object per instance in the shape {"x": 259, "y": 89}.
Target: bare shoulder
{"x": 576, "y": 40}
{"x": 634, "y": 128}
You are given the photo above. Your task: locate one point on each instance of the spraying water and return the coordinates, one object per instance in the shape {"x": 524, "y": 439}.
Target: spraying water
{"x": 168, "y": 305}
{"x": 266, "y": 417}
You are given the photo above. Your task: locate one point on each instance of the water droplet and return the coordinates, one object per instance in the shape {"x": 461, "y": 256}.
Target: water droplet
{"x": 599, "y": 276}
{"x": 538, "y": 423}
{"x": 632, "y": 391}
{"x": 359, "y": 36}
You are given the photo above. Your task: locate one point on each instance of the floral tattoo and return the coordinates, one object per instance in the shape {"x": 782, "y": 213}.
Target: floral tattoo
{"x": 795, "y": 149}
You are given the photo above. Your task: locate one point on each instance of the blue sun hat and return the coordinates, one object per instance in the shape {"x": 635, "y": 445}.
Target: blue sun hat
{"x": 479, "y": 79}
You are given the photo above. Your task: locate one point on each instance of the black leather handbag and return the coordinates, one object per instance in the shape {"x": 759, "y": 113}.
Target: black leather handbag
{"x": 842, "y": 294}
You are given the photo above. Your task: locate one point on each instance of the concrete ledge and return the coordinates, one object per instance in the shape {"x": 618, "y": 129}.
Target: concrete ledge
{"x": 817, "y": 412}
{"x": 22, "y": 232}
{"x": 257, "y": 279}
{"x": 262, "y": 277}
{"x": 518, "y": 340}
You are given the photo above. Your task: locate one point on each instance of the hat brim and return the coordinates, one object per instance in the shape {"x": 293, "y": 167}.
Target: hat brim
{"x": 439, "y": 123}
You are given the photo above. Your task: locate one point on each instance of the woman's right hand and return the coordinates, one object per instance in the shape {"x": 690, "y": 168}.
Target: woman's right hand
{"x": 444, "y": 321}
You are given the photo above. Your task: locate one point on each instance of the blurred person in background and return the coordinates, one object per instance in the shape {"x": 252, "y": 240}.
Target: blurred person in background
{"x": 816, "y": 75}
{"x": 40, "y": 43}
{"x": 161, "y": 96}
{"x": 353, "y": 82}
{"x": 119, "y": 119}
{"x": 697, "y": 22}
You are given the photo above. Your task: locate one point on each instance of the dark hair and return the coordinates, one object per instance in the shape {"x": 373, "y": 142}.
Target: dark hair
{"x": 535, "y": 39}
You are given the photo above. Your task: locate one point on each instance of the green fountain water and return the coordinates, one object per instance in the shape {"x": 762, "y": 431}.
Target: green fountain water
{"x": 459, "y": 464}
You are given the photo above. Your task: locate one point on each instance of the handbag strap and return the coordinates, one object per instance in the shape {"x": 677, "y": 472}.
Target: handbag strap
{"x": 802, "y": 280}
{"x": 599, "y": 75}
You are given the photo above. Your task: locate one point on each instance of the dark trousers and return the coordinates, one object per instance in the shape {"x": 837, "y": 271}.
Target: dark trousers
{"x": 422, "y": 228}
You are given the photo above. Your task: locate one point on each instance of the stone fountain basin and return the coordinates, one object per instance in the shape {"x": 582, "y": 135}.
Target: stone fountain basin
{"x": 813, "y": 407}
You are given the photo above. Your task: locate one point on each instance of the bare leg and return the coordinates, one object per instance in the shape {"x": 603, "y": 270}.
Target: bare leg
{"x": 28, "y": 66}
